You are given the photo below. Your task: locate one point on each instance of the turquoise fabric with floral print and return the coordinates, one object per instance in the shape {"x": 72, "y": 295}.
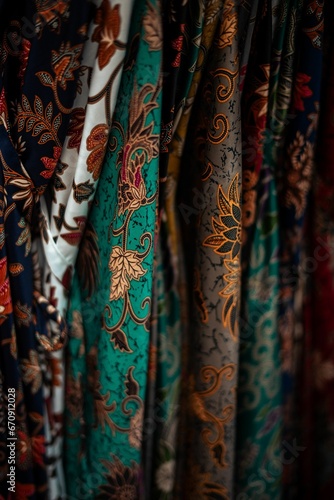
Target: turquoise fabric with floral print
{"x": 108, "y": 349}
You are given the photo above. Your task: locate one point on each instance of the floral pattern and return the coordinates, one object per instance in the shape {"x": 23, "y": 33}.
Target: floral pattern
{"x": 227, "y": 242}
{"x": 121, "y": 481}
{"x": 213, "y": 344}
{"x": 166, "y": 214}
{"x": 77, "y": 175}
{"x": 122, "y": 240}
{"x": 38, "y": 77}
{"x": 106, "y": 32}
{"x": 227, "y": 237}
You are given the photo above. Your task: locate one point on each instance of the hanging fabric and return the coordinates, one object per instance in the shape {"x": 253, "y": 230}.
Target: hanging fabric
{"x": 213, "y": 174}
{"x": 76, "y": 179}
{"x": 166, "y": 249}
{"x": 110, "y": 315}
{"x": 41, "y": 52}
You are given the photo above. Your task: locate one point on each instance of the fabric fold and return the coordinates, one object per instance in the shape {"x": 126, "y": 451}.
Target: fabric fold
{"x": 112, "y": 292}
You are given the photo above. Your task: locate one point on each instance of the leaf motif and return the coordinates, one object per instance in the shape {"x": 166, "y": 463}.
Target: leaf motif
{"x": 25, "y": 104}
{"x": 124, "y": 266}
{"x": 82, "y": 191}
{"x": 133, "y": 265}
{"x": 223, "y": 202}
{"x": 49, "y": 112}
{"x": 23, "y": 314}
{"x": 22, "y": 223}
{"x": 228, "y": 31}
{"x": 47, "y": 174}
{"x": 57, "y": 121}
{"x": 119, "y": 285}
{"x": 22, "y": 195}
{"x": 120, "y": 341}
{"x": 233, "y": 191}
{"x": 217, "y": 227}
{"x": 75, "y": 128}
{"x": 97, "y": 137}
{"x": 38, "y": 129}
{"x": 15, "y": 269}
{"x": 227, "y": 308}
{"x": 21, "y": 182}
{"x": 226, "y": 247}
{"x": 38, "y": 106}
{"x": 94, "y": 162}
{"x": 96, "y": 142}
{"x": 45, "y": 78}
{"x": 214, "y": 241}
{"x": 132, "y": 386}
{"x": 20, "y": 124}
{"x": 45, "y": 138}
{"x": 2, "y": 236}
{"x": 106, "y": 32}
{"x": 30, "y": 123}
{"x": 25, "y": 237}
{"x": 212, "y": 14}
{"x": 236, "y": 212}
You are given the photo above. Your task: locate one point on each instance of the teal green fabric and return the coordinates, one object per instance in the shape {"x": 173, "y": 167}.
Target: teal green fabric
{"x": 260, "y": 380}
{"x": 108, "y": 348}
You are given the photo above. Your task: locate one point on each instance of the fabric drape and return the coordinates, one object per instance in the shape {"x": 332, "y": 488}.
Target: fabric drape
{"x": 214, "y": 168}
{"x": 111, "y": 320}
{"x": 40, "y": 58}
{"x": 78, "y": 171}
{"x": 166, "y": 249}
